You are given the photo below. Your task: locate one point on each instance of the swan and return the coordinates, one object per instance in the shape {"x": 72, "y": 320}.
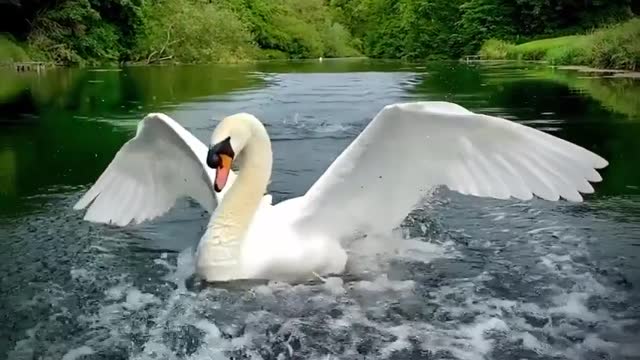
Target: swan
{"x": 406, "y": 150}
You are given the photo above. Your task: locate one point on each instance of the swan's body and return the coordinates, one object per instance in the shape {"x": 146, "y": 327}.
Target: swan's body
{"x": 404, "y": 152}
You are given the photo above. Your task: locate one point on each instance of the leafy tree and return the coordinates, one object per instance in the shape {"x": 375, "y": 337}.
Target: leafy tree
{"x": 186, "y": 31}
{"x": 98, "y": 31}
{"x": 449, "y": 28}
{"x": 484, "y": 19}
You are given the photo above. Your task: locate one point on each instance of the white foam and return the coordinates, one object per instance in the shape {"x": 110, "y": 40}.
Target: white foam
{"x": 476, "y": 333}
{"x": 532, "y": 343}
{"x": 74, "y": 354}
{"x": 334, "y": 285}
{"x": 136, "y": 299}
{"x": 117, "y": 292}
{"x": 382, "y": 283}
{"x": 420, "y": 251}
{"x": 372, "y": 254}
{"x": 401, "y": 333}
{"x": 185, "y": 265}
{"x": 80, "y": 274}
{"x": 460, "y": 317}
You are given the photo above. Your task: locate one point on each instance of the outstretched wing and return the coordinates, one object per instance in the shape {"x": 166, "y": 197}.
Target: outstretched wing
{"x": 410, "y": 148}
{"x": 162, "y": 163}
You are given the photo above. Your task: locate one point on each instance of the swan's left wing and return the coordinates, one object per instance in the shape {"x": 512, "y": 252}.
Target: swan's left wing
{"x": 408, "y": 149}
{"x": 162, "y": 163}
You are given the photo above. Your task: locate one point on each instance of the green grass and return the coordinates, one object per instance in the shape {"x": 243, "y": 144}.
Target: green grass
{"x": 10, "y": 51}
{"x": 615, "y": 47}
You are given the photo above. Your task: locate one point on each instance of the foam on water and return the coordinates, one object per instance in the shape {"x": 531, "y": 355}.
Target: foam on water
{"x": 77, "y": 353}
{"x": 473, "y": 292}
{"x": 346, "y": 317}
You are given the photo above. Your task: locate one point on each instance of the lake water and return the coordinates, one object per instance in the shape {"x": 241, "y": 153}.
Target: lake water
{"x": 471, "y": 278}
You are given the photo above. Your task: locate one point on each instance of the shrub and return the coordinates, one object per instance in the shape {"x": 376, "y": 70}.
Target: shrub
{"x": 495, "y": 49}
{"x": 76, "y": 32}
{"x": 185, "y": 31}
{"x": 617, "y": 46}
{"x": 10, "y": 51}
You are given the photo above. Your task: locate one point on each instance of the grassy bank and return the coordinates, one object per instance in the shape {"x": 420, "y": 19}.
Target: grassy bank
{"x": 613, "y": 47}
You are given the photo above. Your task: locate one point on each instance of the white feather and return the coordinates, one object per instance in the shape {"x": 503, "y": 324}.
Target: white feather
{"x": 162, "y": 163}
{"x": 410, "y": 148}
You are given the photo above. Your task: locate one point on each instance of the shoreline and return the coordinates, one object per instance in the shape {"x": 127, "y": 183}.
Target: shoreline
{"x": 603, "y": 72}
{"x": 611, "y": 73}
{"x": 600, "y": 72}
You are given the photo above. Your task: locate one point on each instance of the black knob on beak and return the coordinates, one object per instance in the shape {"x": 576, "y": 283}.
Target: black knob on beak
{"x": 213, "y": 160}
{"x": 224, "y": 148}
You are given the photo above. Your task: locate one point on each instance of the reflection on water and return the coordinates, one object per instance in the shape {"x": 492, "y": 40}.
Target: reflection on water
{"x": 478, "y": 278}
{"x": 7, "y": 172}
{"x": 58, "y": 128}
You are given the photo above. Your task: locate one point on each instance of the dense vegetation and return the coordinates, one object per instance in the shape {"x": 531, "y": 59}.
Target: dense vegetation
{"x": 87, "y": 31}
{"x": 450, "y": 28}
{"x": 147, "y": 31}
{"x": 615, "y": 47}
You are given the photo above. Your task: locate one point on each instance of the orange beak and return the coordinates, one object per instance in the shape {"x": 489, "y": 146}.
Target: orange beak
{"x": 222, "y": 172}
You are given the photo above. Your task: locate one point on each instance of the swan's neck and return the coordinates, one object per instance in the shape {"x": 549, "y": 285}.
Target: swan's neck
{"x": 235, "y": 212}
{"x": 219, "y": 249}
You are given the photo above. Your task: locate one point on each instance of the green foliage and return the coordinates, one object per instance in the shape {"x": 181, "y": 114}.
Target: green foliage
{"x": 572, "y": 54}
{"x": 562, "y": 50}
{"x": 186, "y": 31}
{"x": 190, "y": 32}
{"x": 484, "y": 19}
{"x": 449, "y": 28}
{"x": 616, "y": 47}
{"x": 337, "y": 41}
{"x": 496, "y": 49}
{"x": 301, "y": 29}
{"x": 541, "y": 49}
{"x": 544, "y": 17}
{"x": 410, "y": 29}
{"x": 80, "y": 31}
{"x": 10, "y": 51}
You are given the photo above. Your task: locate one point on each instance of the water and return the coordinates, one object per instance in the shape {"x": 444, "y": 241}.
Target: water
{"x": 470, "y": 278}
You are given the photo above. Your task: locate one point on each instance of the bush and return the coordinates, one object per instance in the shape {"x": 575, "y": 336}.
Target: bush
{"x": 569, "y": 55}
{"x": 337, "y": 41}
{"x": 10, "y": 51}
{"x": 301, "y": 29}
{"x": 617, "y": 46}
{"x": 190, "y": 32}
{"x": 495, "y": 49}
{"x": 83, "y": 31}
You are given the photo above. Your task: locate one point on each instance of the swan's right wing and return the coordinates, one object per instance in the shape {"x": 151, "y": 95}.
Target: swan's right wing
{"x": 162, "y": 163}
{"x": 409, "y": 149}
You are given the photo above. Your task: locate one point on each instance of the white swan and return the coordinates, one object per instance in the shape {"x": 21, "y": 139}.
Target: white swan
{"x": 405, "y": 151}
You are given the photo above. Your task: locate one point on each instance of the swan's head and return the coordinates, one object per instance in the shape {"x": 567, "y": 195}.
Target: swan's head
{"x": 229, "y": 138}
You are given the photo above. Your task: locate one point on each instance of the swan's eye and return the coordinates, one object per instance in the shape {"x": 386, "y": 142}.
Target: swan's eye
{"x": 221, "y": 148}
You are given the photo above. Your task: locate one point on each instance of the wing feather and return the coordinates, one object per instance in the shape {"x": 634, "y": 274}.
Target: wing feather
{"x": 498, "y": 184}
{"x": 410, "y": 148}
{"x": 162, "y": 163}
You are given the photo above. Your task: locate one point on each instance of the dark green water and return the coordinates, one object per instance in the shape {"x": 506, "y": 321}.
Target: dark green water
{"x": 480, "y": 279}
